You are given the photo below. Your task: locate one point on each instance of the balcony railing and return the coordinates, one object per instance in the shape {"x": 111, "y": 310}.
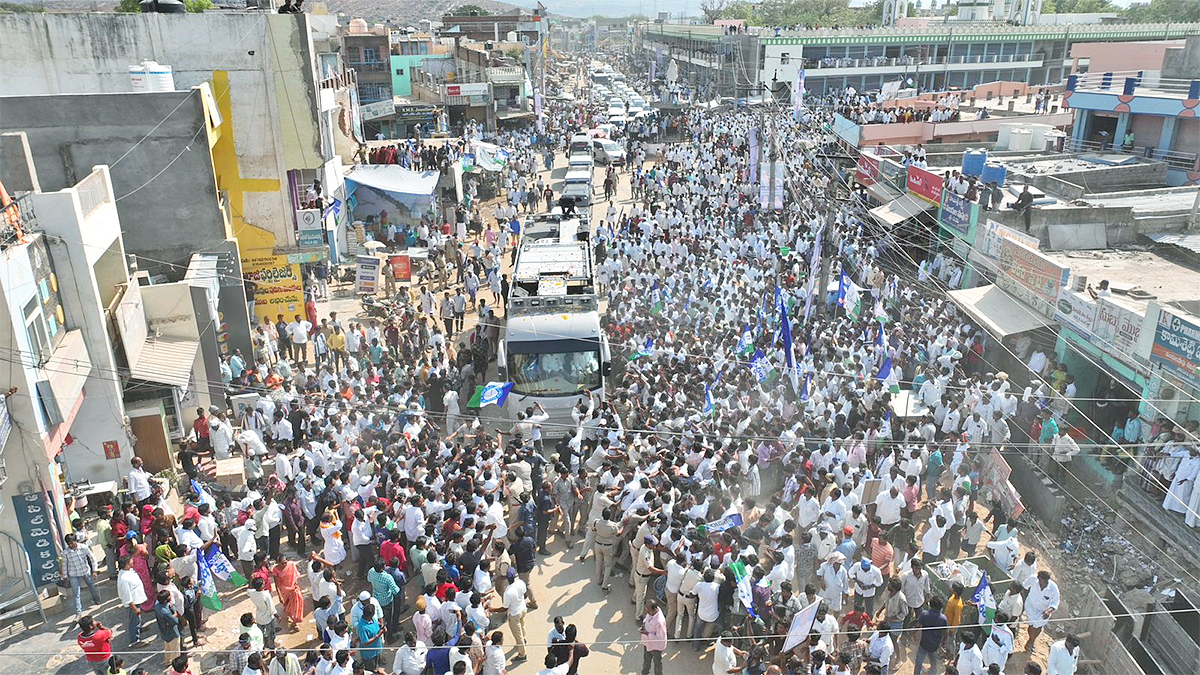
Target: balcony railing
{"x": 902, "y": 61}
{"x": 93, "y": 191}
{"x": 1175, "y": 159}
{"x": 1135, "y": 82}
{"x": 370, "y": 66}
{"x": 17, "y": 220}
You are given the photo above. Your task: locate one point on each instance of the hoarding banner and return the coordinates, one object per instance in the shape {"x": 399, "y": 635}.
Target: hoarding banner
{"x": 279, "y": 289}
{"x": 993, "y": 236}
{"x": 467, "y": 89}
{"x": 925, "y": 184}
{"x": 1030, "y": 276}
{"x": 956, "y": 213}
{"x": 1076, "y": 310}
{"x": 1177, "y": 346}
{"x": 1117, "y": 328}
{"x": 867, "y": 171}
{"x": 401, "y": 267}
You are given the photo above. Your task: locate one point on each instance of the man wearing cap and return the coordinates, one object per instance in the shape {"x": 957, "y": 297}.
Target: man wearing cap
{"x": 644, "y": 569}
{"x": 247, "y": 546}
{"x": 606, "y": 532}
{"x": 867, "y": 580}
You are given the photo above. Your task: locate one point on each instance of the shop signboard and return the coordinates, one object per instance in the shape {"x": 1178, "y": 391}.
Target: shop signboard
{"x": 467, "y": 89}
{"x": 1117, "y": 328}
{"x": 366, "y": 281}
{"x": 925, "y": 184}
{"x": 1176, "y": 346}
{"x": 996, "y": 486}
{"x": 1077, "y": 311}
{"x": 956, "y": 213}
{"x": 280, "y": 289}
{"x": 1030, "y": 276}
{"x": 35, "y": 520}
{"x": 867, "y": 171}
{"x": 376, "y": 110}
{"x": 308, "y": 228}
{"x": 990, "y": 239}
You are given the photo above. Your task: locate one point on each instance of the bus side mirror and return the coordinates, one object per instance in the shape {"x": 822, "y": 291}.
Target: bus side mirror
{"x": 606, "y": 368}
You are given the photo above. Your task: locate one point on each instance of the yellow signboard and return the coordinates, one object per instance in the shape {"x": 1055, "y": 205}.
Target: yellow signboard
{"x": 280, "y": 287}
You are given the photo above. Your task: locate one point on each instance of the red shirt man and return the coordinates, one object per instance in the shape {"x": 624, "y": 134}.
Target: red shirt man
{"x": 94, "y": 640}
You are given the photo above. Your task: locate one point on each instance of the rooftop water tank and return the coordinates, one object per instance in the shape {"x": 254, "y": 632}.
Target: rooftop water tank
{"x": 161, "y": 78}
{"x": 973, "y": 161}
{"x": 994, "y": 173}
{"x": 1020, "y": 139}
{"x": 138, "y": 80}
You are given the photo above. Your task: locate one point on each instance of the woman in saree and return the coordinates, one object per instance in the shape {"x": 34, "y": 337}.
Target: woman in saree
{"x": 286, "y": 575}
{"x": 141, "y": 564}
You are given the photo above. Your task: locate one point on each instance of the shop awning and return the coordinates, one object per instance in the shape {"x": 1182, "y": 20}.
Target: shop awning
{"x": 998, "y": 312}
{"x": 882, "y": 192}
{"x": 393, "y": 179}
{"x": 899, "y": 210}
{"x": 166, "y": 361}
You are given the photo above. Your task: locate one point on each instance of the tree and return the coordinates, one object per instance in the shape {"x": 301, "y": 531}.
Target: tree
{"x": 1165, "y": 11}
{"x": 713, "y": 9}
{"x": 129, "y": 6}
{"x": 198, "y": 6}
{"x": 469, "y": 10}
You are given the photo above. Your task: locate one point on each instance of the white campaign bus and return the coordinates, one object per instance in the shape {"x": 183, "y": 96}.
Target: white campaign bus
{"x": 554, "y": 350}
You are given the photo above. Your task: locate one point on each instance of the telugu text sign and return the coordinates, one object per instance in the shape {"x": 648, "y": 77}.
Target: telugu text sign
{"x": 279, "y": 289}
{"x": 956, "y": 212}
{"x": 1117, "y": 328}
{"x": 1177, "y": 346}
{"x": 35, "y": 520}
{"x": 1030, "y": 276}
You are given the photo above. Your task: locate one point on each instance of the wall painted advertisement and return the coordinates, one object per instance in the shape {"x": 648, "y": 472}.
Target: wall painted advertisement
{"x": 990, "y": 239}
{"x": 925, "y": 184}
{"x": 280, "y": 287}
{"x": 1030, "y": 276}
{"x": 1176, "y": 346}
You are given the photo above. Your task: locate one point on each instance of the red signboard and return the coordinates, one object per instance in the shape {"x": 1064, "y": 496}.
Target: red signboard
{"x": 401, "y": 267}
{"x": 925, "y": 184}
{"x": 867, "y": 172}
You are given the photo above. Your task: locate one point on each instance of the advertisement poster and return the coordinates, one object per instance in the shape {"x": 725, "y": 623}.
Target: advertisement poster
{"x": 1177, "y": 346}
{"x": 956, "y": 212}
{"x": 995, "y": 484}
{"x": 867, "y": 171}
{"x": 925, "y": 184}
{"x": 401, "y": 267}
{"x": 366, "y": 281}
{"x": 1076, "y": 310}
{"x": 35, "y": 520}
{"x": 1117, "y": 328}
{"x": 993, "y": 234}
{"x": 1030, "y": 276}
{"x": 280, "y": 288}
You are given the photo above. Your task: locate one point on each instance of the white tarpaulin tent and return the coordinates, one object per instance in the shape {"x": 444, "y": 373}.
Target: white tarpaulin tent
{"x": 393, "y": 179}
{"x": 997, "y": 311}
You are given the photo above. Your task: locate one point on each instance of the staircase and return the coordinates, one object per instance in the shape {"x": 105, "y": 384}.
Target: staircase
{"x": 18, "y": 595}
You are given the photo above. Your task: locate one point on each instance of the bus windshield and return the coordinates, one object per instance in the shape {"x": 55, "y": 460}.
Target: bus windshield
{"x": 559, "y": 373}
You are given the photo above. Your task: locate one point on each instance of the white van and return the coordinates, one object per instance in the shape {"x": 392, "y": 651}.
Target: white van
{"x": 578, "y": 177}
{"x": 581, "y": 143}
{"x": 581, "y": 161}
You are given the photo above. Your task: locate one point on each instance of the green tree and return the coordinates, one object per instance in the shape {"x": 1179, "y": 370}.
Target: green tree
{"x": 1164, "y": 11}
{"x": 197, "y": 6}
{"x": 18, "y": 8}
{"x": 469, "y": 10}
{"x": 130, "y": 6}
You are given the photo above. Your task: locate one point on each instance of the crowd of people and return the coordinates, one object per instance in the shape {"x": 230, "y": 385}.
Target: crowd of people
{"x": 746, "y": 464}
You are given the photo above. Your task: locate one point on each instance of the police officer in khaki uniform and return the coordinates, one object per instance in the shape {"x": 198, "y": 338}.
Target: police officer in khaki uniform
{"x": 644, "y": 570}
{"x": 607, "y": 532}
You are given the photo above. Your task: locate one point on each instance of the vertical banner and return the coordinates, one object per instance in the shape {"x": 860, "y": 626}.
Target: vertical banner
{"x": 537, "y": 107}
{"x": 754, "y": 152}
{"x": 35, "y": 520}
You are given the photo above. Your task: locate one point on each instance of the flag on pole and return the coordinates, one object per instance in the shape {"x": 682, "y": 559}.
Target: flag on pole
{"x": 805, "y": 394}
{"x": 207, "y": 587}
{"x": 789, "y": 356}
{"x": 746, "y": 343}
{"x": 708, "y": 400}
{"x": 492, "y": 393}
{"x": 758, "y": 366}
{"x": 888, "y": 376}
{"x": 222, "y": 569}
{"x": 985, "y": 600}
{"x": 744, "y": 594}
{"x": 721, "y": 524}
{"x": 644, "y": 351}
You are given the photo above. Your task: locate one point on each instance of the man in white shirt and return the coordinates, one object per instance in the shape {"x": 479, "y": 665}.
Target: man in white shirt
{"x": 888, "y": 507}
{"x": 139, "y": 481}
{"x": 880, "y": 648}
{"x": 725, "y": 656}
{"x": 866, "y": 579}
{"x": 1040, "y": 605}
{"x": 132, "y": 594}
{"x": 494, "y": 660}
{"x": 298, "y": 331}
{"x": 1064, "y": 657}
{"x": 970, "y": 659}
{"x": 514, "y": 603}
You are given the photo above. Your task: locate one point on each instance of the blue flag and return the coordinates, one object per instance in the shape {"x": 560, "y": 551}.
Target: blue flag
{"x": 758, "y": 366}
{"x": 789, "y": 357}
{"x": 492, "y": 393}
{"x": 888, "y": 376}
{"x": 804, "y": 391}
